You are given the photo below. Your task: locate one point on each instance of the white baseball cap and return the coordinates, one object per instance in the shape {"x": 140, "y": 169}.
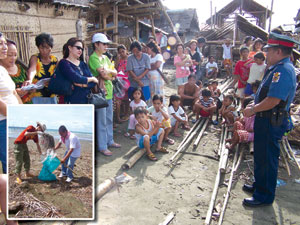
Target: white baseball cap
{"x": 99, "y": 37}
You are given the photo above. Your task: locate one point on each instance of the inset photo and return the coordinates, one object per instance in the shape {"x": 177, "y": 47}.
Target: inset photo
{"x": 50, "y": 162}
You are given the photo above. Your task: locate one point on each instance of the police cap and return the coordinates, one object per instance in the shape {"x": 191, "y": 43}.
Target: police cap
{"x": 280, "y": 40}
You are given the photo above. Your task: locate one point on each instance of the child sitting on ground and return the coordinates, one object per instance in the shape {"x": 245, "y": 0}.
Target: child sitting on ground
{"x": 242, "y": 129}
{"x": 215, "y": 94}
{"x": 205, "y": 106}
{"x": 137, "y": 102}
{"x": 177, "y": 115}
{"x": 159, "y": 112}
{"x": 211, "y": 68}
{"x": 255, "y": 86}
{"x": 148, "y": 132}
{"x": 228, "y": 110}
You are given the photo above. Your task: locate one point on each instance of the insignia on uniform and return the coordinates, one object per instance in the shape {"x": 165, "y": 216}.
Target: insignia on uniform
{"x": 276, "y": 77}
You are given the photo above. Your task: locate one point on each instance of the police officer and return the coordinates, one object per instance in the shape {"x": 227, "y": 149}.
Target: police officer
{"x": 272, "y": 103}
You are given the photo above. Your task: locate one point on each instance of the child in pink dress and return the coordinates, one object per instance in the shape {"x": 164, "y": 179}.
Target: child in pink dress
{"x": 243, "y": 129}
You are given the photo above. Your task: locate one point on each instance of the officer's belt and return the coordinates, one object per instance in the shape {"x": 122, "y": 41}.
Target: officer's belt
{"x": 268, "y": 114}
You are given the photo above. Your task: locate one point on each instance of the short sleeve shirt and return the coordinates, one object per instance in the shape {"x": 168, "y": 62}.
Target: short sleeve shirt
{"x": 138, "y": 67}
{"x": 133, "y": 105}
{"x": 178, "y": 113}
{"x": 243, "y": 72}
{"x": 73, "y": 142}
{"x": 181, "y": 71}
{"x": 211, "y": 66}
{"x": 281, "y": 82}
{"x": 22, "y": 139}
{"x": 96, "y": 62}
{"x": 158, "y": 115}
{"x": 197, "y": 58}
{"x": 256, "y": 72}
{"x": 157, "y": 57}
{"x": 226, "y": 51}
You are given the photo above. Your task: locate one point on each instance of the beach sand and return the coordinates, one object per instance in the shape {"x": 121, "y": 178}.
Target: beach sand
{"x": 72, "y": 200}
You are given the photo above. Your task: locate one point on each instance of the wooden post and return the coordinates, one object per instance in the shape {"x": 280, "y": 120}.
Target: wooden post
{"x": 152, "y": 26}
{"x": 104, "y": 23}
{"x": 137, "y": 30}
{"x": 133, "y": 159}
{"x": 116, "y": 22}
{"x": 170, "y": 21}
{"x": 270, "y": 21}
{"x": 104, "y": 187}
{"x": 211, "y": 15}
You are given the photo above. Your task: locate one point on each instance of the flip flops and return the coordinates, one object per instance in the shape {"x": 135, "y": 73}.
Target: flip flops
{"x": 115, "y": 145}
{"x": 106, "y": 152}
{"x": 170, "y": 141}
{"x": 152, "y": 157}
{"x": 163, "y": 150}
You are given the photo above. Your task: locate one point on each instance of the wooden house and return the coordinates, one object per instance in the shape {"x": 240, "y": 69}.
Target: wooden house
{"x": 185, "y": 21}
{"x": 22, "y": 20}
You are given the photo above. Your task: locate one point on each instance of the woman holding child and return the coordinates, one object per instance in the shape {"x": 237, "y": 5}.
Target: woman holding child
{"x": 182, "y": 64}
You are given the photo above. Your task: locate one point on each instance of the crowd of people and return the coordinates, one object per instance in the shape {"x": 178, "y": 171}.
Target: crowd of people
{"x": 143, "y": 102}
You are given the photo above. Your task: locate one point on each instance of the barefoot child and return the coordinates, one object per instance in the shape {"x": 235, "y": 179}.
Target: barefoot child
{"x": 148, "y": 132}
{"x": 21, "y": 149}
{"x": 228, "y": 110}
{"x": 243, "y": 129}
{"x": 137, "y": 102}
{"x": 158, "y": 112}
{"x": 177, "y": 115}
{"x": 205, "y": 106}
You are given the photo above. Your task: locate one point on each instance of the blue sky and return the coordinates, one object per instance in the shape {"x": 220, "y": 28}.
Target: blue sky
{"x": 75, "y": 118}
{"x": 284, "y": 10}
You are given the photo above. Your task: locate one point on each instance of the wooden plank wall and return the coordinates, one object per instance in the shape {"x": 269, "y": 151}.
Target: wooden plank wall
{"x": 40, "y": 19}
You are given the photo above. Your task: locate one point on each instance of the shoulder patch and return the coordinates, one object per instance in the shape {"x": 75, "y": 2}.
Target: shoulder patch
{"x": 276, "y": 77}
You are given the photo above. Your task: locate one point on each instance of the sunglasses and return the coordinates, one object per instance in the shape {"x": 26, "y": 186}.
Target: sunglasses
{"x": 78, "y": 48}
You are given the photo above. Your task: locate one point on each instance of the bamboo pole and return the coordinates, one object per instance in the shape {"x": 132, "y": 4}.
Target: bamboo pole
{"x": 130, "y": 163}
{"x": 189, "y": 133}
{"x": 137, "y": 31}
{"x": 224, "y": 157}
{"x": 104, "y": 187}
{"x": 286, "y": 149}
{"x": 170, "y": 22}
{"x": 186, "y": 142}
{"x": 221, "y": 140}
{"x": 116, "y": 23}
{"x": 168, "y": 219}
{"x": 152, "y": 26}
{"x": 205, "y": 122}
{"x": 292, "y": 153}
{"x": 233, "y": 170}
{"x": 285, "y": 161}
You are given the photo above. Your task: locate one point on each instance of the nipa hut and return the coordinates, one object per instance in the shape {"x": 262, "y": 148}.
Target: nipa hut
{"x": 21, "y": 21}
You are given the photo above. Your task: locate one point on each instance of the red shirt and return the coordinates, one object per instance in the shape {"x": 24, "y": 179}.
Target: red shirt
{"x": 22, "y": 139}
{"x": 243, "y": 72}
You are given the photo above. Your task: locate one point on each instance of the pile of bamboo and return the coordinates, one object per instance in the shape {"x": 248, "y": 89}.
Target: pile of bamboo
{"x": 288, "y": 155}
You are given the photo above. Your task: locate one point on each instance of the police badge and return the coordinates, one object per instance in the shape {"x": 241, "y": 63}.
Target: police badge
{"x": 276, "y": 77}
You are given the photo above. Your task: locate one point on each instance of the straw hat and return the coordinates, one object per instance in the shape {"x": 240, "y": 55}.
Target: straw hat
{"x": 42, "y": 126}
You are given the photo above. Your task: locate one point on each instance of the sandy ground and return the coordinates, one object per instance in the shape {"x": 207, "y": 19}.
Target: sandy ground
{"x": 157, "y": 189}
{"x": 74, "y": 200}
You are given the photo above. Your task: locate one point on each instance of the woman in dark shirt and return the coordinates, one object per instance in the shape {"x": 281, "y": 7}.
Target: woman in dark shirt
{"x": 76, "y": 70}
{"x": 196, "y": 58}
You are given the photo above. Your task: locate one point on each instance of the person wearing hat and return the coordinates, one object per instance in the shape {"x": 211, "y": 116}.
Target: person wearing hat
{"x": 102, "y": 68}
{"x": 272, "y": 102}
{"x": 21, "y": 148}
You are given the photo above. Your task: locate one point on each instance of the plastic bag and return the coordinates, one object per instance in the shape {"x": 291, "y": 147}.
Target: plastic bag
{"x": 50, "y": 164}
{"x": 121, "y": 85}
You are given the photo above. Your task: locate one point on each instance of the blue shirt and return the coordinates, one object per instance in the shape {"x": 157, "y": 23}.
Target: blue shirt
{"x": 281, "y": 80}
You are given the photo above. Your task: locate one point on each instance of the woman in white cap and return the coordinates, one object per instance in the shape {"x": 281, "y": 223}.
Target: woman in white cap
{"x": 102, "y": 68}
{"x": 8, "y": 95}
{"x": 21, "y": 150}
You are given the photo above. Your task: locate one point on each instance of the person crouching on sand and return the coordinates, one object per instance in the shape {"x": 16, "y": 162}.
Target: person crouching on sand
{"x": 21, "y": 149}
{"x": 148, "y": 133}
{"x": 72, "y": 153}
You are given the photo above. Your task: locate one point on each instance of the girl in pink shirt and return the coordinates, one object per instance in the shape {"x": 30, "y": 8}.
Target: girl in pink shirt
{"x": 182, "y": 64}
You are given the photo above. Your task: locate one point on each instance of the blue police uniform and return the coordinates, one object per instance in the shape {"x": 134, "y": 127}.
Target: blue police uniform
{"x": 279, "y": 82}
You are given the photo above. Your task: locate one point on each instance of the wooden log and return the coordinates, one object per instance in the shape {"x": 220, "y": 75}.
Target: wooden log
{"x": 152, "y": 26}
{"x": 186, "y": 142}
{"x": 205, "y": 122}
{"x": 168, "y": 219}
{"x": 233, "y": 170}
{"x": 104, "y": 187}
{"x": 292, "y": 153}
{"x": 189, "y": 133}
{"x": 130, "y": 163}
{"x": 116, "y": 23}
{"x": 285, "y": 161}
{"x": 137, "y": 30}
{"x": 221, "y": 140}
{"x": 146, "y": 5}
{"x": 224, "y": 157}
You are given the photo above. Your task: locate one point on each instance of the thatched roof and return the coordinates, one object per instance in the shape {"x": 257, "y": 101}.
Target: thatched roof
{"x": 185, "y": 19}
{"x": 249, "y": 6}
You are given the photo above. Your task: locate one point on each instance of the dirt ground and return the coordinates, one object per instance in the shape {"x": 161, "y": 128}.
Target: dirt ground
{"x": 157, "y": 189}
{"x": 74, "y": 200}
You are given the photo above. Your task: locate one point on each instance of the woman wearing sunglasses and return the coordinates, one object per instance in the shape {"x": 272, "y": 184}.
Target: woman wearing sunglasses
{"x": 76, "y": 70}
